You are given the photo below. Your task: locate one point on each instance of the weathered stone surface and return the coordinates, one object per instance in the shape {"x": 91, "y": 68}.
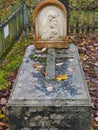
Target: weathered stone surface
{"x": 50, "y": 68}
{"x": 37, "y": 103}
{"x": 51, "y": 117}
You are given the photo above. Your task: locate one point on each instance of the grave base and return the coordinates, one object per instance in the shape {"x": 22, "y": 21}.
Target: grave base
{"x": 49, "y": 117}
{"x": 37, "y": 103}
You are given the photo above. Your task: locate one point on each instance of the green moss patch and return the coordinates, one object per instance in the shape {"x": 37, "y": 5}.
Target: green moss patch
{"x": 12, "y": 62}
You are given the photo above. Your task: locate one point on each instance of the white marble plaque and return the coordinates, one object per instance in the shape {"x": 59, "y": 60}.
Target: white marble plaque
{"x": 52, "y": 23}
{"x": 6, "y": 31}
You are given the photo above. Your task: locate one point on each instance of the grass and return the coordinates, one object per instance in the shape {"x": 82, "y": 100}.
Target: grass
{"x": 12, "y": 62}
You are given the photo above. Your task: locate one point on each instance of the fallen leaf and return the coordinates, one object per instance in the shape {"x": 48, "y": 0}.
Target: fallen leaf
{"x": 2, "y": 116}
{"x": 39, "y": 69}
{"x": 82, "y": 43}
{"x": 72, "y": 38}
{"x": 40, "y": 66}
{"x": 93, "y": 122}
{"x": 97, "y": 113}
{"x": 3, "y": 101}
{"x": 62, "y": 77}
{"x": 58, "y": 64}
{"x": 96, "y": 118}
{"x": 58, "y": 78}
{"x": 44, "y": 49}
{"x": 96, "y": 64}
{"x": 71, "y": 60}
{"x": 45, "y": 73}
{"x": 3, "y": 124}
{"x": 70, "y": 69}
{"x": 50, "y": 88}
{"x": 35, "y": 65}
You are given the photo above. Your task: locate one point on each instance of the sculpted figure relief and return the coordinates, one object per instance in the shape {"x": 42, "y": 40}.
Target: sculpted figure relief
{"x": 50, "y": 29}
{"x": 50, "y": 25}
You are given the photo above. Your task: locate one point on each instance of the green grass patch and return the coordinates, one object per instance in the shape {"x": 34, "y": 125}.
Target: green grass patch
{"x": 12, "y": 61}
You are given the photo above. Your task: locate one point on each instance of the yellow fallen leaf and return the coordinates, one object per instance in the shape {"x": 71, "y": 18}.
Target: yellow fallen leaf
{"x": 62, "y": 77}
{"x": 58, "y": 78}
{"x": 82, "y": 43}
{"x": 2, "y": 116}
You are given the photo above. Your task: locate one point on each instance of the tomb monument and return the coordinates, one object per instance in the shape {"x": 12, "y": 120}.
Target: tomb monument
{"x": 50, "y": 91}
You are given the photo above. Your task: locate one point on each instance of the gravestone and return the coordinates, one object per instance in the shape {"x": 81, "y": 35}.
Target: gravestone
{"x": 50, "y": 91}
{"x": 50, "y": 25}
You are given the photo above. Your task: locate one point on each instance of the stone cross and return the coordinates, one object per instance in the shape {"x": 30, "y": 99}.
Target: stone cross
{"x": 51, "y": 57}
{"x": 50, "y": 68}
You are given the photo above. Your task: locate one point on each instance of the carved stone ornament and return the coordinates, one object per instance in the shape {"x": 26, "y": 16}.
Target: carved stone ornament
{"x": 50, "y": 25}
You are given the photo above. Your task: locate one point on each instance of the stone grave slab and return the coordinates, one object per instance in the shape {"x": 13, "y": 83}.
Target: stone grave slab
{"x": 39, "y": 101}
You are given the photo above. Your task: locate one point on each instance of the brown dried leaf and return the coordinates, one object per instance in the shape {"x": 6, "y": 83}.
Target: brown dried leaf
{"x": 96, "y": 64}
{"x": 39, "y": 69}
{"x": 3, "y": 124}
{"x": 3, "y": 101}
{"x": 35, "y": 65}
{"x": 45, "y": 73}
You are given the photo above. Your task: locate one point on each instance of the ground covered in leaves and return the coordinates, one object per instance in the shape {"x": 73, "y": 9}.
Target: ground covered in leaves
{"x": 88, "y": 50}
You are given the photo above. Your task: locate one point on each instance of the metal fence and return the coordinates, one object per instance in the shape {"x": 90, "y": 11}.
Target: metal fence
{"x": 10, "y": 28}
{"x": 82, "y": 15}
